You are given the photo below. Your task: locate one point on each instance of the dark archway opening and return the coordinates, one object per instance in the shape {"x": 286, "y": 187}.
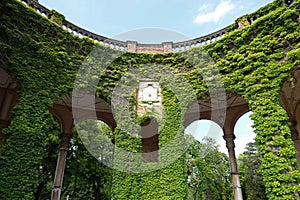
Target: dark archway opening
{"x": 149, "y": 134}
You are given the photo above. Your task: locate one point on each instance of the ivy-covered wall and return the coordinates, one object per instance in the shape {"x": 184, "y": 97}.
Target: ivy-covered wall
{"x": 254, "y": 62}
{"x": 45, "y": 60}
{"x": 263, "y": 56}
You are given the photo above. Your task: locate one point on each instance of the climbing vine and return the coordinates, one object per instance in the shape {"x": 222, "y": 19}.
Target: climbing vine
{"x": 253, "y": 62}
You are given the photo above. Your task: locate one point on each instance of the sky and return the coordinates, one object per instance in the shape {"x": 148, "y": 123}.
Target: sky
{"x": 191, "y": 19}
{"x": 243, "y": 131}
{"x": 156, "y": 21}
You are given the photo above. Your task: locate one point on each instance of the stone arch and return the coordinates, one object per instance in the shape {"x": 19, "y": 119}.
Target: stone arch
{"x": 290, "y": 101}
{"x": 62, "y": 111}
{"x": 8, "y": 98}
{"x": 200, "y": 125}
{"x": 200, "y": 109}
{"x": 235, "y": 107}
{"x": 237, "y": 132}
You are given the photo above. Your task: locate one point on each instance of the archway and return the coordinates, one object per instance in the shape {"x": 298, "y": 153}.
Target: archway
{"x": 208, "y": 166}
{"x": 63, "y": 110}
{"x": 226, "y": 117}
{"x": 248, "y": 159}
{"x": 290, "y": 101}
{"x": 8, "y": 99}
{"x": 89, "y": 152}
{"x": 244, "y": 132}
{"x": 200, "y": 129}
{"x": 150, "y": 144}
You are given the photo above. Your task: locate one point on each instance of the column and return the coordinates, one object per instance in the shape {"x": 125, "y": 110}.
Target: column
{"x": 167, "y": 46}
{"x": 295, "y": 138}
{"x": 60, "y": 166}
{"x": 131, "y": 46}
{"x": 233, "y": 167}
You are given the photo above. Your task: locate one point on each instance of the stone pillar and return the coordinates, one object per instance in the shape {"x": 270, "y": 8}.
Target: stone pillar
{"x": 56, "y": 17}
{"x": 243, "y": 21}
{"x": 233, "y": 167}
{"x": 295, "y": 138}
{"x": 60, "y": 166}
{"x": 3, "y": 124}
{"x": 131, "y": 46}
{"x": 167, "y": 46}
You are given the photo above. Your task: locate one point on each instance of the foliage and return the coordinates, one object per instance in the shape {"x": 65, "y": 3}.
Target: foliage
{"x": 87, "y": 177}
{"x": 250, "y": 173}
{"x": 254, "y": 62}
{"x": 208, "y": 171}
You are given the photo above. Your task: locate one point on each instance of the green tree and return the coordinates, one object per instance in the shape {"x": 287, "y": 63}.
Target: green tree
{"x": 250, "y": 173}
{"x": 85, "y": 176}
{"x": 208, "y": 171}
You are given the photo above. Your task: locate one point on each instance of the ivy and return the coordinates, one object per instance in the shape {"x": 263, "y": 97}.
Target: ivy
{"x": 253, "y": 62}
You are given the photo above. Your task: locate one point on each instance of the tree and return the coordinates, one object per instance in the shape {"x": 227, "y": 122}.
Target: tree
{"x": 85, "y": 176}
{"x": 251, "y": 176}
{"x": 208, "y": 171}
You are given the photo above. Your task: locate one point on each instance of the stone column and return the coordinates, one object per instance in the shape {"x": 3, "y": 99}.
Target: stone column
{"x": 233, "y": 167}
{"x": 167, "y": 46}
{"x": 295, "y": 138}
{"x": 3, "y": 124}
{"x": 60, "y": 166}
{"x": 131, "y": 46}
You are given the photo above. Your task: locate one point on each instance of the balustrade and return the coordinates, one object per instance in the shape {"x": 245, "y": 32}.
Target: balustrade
{"x": 121, "y": 45}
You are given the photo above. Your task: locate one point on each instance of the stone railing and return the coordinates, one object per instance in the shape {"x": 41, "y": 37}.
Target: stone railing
{"x": 185, "y": 45}
{"x": 37, "y": 7}
{"x": 212, "y": 37}
{"x": 134, "y": 46}
{"x": 80, "y": 32}
{"x": 76, "y": 30}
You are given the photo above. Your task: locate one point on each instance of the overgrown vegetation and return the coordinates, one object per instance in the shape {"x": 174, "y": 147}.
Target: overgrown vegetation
{"x": 253, "y": 62}
{"x": 208, "y": 171}
{"x": 250, "y": 173}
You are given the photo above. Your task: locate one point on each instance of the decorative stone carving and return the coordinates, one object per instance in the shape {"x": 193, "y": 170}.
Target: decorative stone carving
{"x": 149, "y": 97}
{"x": 243, "y": 21}
{"x": 229, "y": 142}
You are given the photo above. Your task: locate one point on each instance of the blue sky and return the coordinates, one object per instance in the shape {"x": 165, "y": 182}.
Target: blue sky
{"x": 191, "y": 18}
{"x": 185, "y": 19}
{"x": 243, "y": 131}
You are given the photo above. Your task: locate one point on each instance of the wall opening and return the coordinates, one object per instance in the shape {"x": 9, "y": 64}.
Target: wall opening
{"x": 149, "y": 134}
{"x": 200, "y": 129}
{"x": 244, "y": 133}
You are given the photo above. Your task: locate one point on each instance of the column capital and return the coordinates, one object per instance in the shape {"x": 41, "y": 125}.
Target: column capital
{"x": 64, "y": 140}
{"x": 229, "y": 137}
{"x": 229, "y": 141}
